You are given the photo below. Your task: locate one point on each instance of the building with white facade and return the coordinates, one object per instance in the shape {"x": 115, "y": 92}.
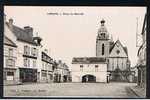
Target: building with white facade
{"x": 45, "y": 72}
{"x": 89, "y": 69}
{"x": 10, "y": 71}
{"x": 25, "y": 58}
{"x": 116, "y": 61}
{"x": 61, "y": 72}
{"x": 26, "y": 52}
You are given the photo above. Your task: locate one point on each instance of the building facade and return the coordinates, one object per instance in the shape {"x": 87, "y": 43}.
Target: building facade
{"x": 46, "y": 72}
{"x": 61, "y": 72}
{"x": 10, "y": 71}
{"x": 26, "y": 52}
{"x": 26, "y": 60}
{"x": 89, "y": 69}
{"x": 115, "y": 53}
{"x": 141, "y": 64}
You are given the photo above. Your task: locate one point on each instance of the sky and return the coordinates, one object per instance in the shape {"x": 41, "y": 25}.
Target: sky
{"x": 74, "y": 35}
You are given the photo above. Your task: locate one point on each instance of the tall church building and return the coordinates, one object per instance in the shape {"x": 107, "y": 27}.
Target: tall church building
{"x": 116, "y": 55}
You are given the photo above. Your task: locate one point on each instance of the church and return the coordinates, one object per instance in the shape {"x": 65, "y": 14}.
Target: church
{"x": 115, "y": 53}
{"x": 110, "y": 64}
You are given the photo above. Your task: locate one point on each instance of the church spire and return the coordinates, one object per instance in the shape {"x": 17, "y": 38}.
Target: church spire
{"x": 102, "y": 22}
{"x": 102, "y": 31}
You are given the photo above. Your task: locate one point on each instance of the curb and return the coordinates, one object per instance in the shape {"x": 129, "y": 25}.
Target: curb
{"x": 131, "y": 90}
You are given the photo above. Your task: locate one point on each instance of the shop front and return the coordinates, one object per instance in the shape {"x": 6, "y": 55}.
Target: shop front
{"x": 28, "y": 75}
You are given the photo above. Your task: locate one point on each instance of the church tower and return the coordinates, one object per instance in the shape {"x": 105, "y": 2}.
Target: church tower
{"x": 102, "y": 41}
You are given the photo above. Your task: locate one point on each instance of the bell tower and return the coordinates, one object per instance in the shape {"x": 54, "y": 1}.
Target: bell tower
{"x": 102, "y": 41}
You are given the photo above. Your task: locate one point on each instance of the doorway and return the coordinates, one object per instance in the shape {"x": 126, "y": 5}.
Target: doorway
{"x": 88, "y": 78}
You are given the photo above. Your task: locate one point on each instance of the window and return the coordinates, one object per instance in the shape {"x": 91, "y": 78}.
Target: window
{"x": 4, "y": 75}
{"x": 122, "y": 64}
{"x": 43, "y": 74}
{"x": 103, "y": 49}
{"x": 10, "y": 52}
{"x": 25, "y": 62}
{"x": 42, "y": 65}
{"x": 33, "y": 52}
{"x": 26, "y": 50}
{"x": 10, "y": 73}
{"x": 103, "y": 35}
{"x": 51, "y": 76}
{"x": 10, "y": 62}
{"x": 28, "y": 62}
{"x": 50, "y": 67}
{"x": 46, "y": 65}
{"x": 96, "y": 68}
{"x": 10, "y": 76}
{"x": 34, "y": 63}
{"x": 81, "y": 67}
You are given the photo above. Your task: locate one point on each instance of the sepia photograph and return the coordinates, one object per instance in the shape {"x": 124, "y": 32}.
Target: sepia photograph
{"x": 74, "y": 51}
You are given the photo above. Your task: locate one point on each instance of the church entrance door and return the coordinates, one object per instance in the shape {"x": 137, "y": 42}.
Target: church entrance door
{"x": 88, "y": 78}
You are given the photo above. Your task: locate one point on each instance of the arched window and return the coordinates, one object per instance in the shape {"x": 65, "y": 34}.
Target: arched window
{"x": 103, "y": 49}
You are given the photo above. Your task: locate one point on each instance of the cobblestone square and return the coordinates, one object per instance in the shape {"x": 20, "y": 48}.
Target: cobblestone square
{"x": 112, "y": 90}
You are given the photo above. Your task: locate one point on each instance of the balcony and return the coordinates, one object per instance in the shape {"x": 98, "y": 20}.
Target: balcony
{"x": 34, "y": 56}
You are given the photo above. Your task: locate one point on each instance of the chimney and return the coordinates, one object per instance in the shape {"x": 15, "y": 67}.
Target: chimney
{"x": 29, "y": 30}
{"x": 10, "y": 23}
{"x": 46, "y": 51}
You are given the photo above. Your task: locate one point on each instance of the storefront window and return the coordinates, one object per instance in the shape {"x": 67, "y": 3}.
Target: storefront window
{"x": 10, "y": 73}
{"x": 10, "y": 76}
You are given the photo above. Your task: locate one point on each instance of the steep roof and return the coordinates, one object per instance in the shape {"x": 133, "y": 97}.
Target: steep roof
{"x": 9, "y": 42}
{"x": 124, "y": 47}
{"x": 21, "y": 34}
{"x": 111, "y": 46}
{"x": 88, "y": 60}
{"x": 144, "y": 23}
